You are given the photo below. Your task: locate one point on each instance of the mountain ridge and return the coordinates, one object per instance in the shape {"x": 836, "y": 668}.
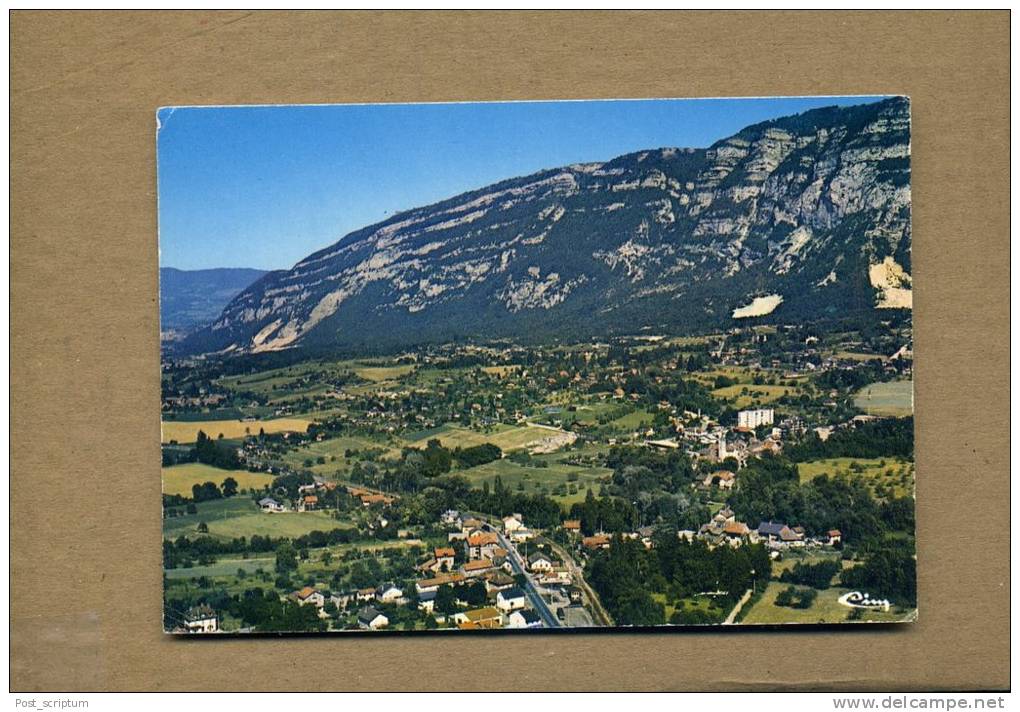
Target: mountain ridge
{"x": 800, "y": 208}
{"x": 189, "y": 299}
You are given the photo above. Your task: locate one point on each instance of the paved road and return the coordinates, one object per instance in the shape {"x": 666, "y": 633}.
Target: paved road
{"x": 547, "y": 616}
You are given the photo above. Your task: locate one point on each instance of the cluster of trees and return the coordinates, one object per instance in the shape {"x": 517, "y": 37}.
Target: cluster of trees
{"x": 769, "y": 489}
{"x": 889, "y": 571}
{"x": 817, "y": 575}
{"x": 208, "y": 490}
{"x": 261, "y": 609}
{"x": 793, "y": 597}
{"x": 538, "y": 510}
{"x": 184, "y": 551}
{"x": 658, "y": 485}
{"x": 627, "y": 575}
{"x": 210, "y": 452}
{"x": 477, "y": 455}
{"x": 888, "y": 437}
{"x": 606, "y": 514}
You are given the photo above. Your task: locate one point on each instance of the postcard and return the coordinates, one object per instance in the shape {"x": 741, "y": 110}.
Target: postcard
{"x": 536, "y": 365}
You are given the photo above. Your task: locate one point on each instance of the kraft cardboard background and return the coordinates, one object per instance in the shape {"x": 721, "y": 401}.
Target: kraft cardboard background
{"x": 84, "y": 495}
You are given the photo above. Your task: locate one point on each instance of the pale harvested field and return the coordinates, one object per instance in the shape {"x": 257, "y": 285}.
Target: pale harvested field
{"x": 187, "y": 431}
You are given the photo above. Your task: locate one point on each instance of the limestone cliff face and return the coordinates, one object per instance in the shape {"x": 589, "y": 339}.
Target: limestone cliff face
{"x": 798, "y": 209}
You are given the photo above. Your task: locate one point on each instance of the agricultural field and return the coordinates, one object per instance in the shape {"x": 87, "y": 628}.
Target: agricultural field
{"x": 377, "y": 373}
{"x": 826, "y": 609}
{"x": 634, "y": 420}
{"x": 507, "y": 437}
{"x": 793, "y": 557}
{"x": 224, "y": 567}
{"x": 533, "y": 479}
{"x": 881, "y": 473}
{"x": 239, "y": 516}
{"x": 179, "y": 478}
{"x": 335, "y": 448}
{"x": 892, "y": 398}
{"x": 187, "y": 431}
{"x": 755, "y": 395}
{"x": 857, "y": 356}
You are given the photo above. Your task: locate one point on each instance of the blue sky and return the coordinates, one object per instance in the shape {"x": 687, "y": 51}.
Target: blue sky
{"x": 266, "y": 186}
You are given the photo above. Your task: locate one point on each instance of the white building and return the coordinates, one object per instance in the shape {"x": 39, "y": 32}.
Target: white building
{"x": 753, "y": 418}
{"x": 510, "y": 599}
{"x": 201, "y": 619}
{"x": 513, "y": 523}
{"x": 371, "y": 619}
{"x": 524, "y": 618}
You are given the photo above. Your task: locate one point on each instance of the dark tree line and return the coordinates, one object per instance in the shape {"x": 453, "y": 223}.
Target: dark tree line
{"x": 888, "y": 437}
{"x": 626, "y": 575}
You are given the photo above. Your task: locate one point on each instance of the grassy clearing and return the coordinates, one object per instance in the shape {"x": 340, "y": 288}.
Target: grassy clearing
{"x": 187, "y": 431}
{"x": 179, "y": 478}
{"x": 881, "y": 473}
{"x": 507, "y": 437}
{"x": 634, "y": 420}
{"x": 791, "y": 558}
{"x": 536, "y": 478}
{"x": 754, "y": 395}
{"x": 858, "y": 356}
{"x": 377, "y": 373}
{"x": 224, "y": 567}
{"x": 335, "y": 448}
{"x": 239, "y": 516}
{"x": 826, "y": 609}
{"x": 894, "y": 398}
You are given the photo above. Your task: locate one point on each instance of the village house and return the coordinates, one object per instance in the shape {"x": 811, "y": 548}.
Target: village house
{"x": 488, "y": 617}
{"x": 388, "y": 593}
{"x": 342, "y": 599}
{"x": 365, "y": 594}
{"x": 512, "y": 523}
{"x": 521, "y": 535}
{"x": 510, "y": 599}
{"x": 524, "y": 618}
{"x": 780, "y": 535}
{"x": 497, "y": 581}
{"x": 309, "y": 502}
{"x": 834, "y": 537}
{"x": 596, "y": 541}
{"x": 481, "y": 545}
{"x": 268, "y": 504}
{"x": 540, "y": 562}
{"x": 736, "y": 533}
{"x": 501, "y": 559}
{"x": 451, "y": 517}
{"x": 573, "y": 526}
{"x": 201, "y": 619}
{"x": 427, "y": 602}
{"x": 476, "y": 568}
{"x": 433, "y": 584}
{"x": 309, "y": 595}
{"x": 558, "y": 576}
{"x": 444, "y": 558}
{"x": 371, "y": 619}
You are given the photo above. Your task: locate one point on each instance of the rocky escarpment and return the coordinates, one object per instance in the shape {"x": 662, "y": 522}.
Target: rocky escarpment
{"x": 799, "y": 209}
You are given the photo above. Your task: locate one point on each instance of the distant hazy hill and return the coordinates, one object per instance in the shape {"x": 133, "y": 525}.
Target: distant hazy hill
{"x": 189, "y": 299}
{"x": 800, "y": 218}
